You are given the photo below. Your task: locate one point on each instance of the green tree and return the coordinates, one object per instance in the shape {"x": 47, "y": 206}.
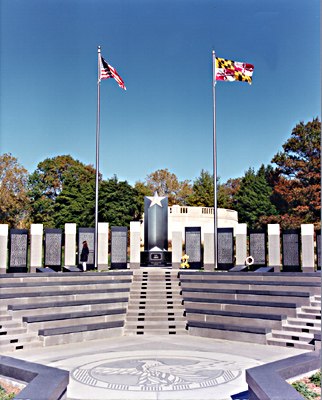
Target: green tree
{"x": 13, "y": 191}
{"x": 202, "y": 191}
{"x": 119, "y": 203}
{"x": 76, "y": 201}
{"x": 254, "y": 198}
{"x": 47, "y": 182}
{"x": 297, "y": 179}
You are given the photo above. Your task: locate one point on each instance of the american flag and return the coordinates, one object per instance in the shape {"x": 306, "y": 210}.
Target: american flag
{"x": 107, "y": 71}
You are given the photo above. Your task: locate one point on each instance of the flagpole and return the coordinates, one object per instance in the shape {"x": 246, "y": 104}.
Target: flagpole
{"x": 97, "y": 161}
{"x": 214, "y": 158}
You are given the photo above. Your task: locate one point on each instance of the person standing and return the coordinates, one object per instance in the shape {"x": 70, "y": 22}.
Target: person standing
{"x": 84, "y": 255}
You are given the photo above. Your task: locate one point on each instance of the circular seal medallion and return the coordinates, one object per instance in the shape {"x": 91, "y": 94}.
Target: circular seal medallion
{"x": 152, "y": 375}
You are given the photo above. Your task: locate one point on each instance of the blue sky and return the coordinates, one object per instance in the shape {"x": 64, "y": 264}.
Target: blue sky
{"x": 162, "y": 49}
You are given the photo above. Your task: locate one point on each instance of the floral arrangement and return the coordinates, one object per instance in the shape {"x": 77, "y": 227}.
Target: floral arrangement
{"x": 185, "y": 263}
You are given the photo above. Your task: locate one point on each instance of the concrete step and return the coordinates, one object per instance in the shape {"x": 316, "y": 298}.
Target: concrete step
{"x": 252, "y": 297}
{"x": 36, "y": 277}
{"x": 36, "y": 343}
{"x": 248, "y": 285}
{"x": 311, "y": 316}
{"x": 68, "y": 307}
{"x": 298, "y": 328}
{"x": 17, "y": 338}
{"x": 233, "y": 332}
{"x": 276, "y": 324}
{"x": 292, "y": 335}
{"x": 14, "y": 323}
{"x": 36, "y": 326}
{"x": 153, "y": 318}
{"x": 282, "y": 277}
{"x": 4, "y": 318}
{"x": 312, "y": 310}
{"x": 304, "y": 322}
{"x": 82, "y": 335}
{"x": 61, "y": 287}
{"x": 268, "y": 308}
{"x": 290, "y": 343}
{"x": 155, "y": 332}
{"x": 64, "y": 298}
{"x": 12, "y": 331}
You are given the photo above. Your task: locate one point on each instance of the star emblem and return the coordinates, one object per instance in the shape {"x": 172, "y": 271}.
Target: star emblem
{"x": 156, "y": 199}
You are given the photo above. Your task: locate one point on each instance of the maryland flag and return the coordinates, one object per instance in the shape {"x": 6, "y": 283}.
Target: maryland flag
{"x": 227, "y": 70}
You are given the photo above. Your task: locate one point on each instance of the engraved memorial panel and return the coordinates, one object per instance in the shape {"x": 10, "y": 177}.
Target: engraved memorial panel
{"x": 257, "y": 247}
{"x": 18, "y": 250}
{"x": 291, "y": 250}
{"x": 225, "y": 241}
{"x": 118, "y": 247}
{"x": 53, "y": 248}
{"x": 318, "y": 248}
{"x": 87, "y": 234}
{"x": 193, "y": 246}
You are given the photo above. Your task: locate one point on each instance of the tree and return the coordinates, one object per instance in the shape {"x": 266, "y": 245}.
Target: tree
{"x": 253, "y": 198}
{"x": 202, "y": 191}
{"x": 76, "y": 201}
{"x": 142, "y": 191}
{"x": 47, "y": 183}
{"x": 227, "y": 192}
{"x": 297, "y": 179}
{"x": 119, "y": 203}
{"x": 13, "y": 193}
{"x": 167, "y": 184}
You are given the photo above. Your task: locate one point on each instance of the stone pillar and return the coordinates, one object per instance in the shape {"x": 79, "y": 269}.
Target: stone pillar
{"x": 135, "y": 236}
{"x": 36, "y": 244}
{"x": 70, "y": 245}
{"x": 4, "y": 228}
{"x": 274, "y": 247}
{"x": 209, "y": 246}
{"x": 102, "y": 251}
{"x": 176, "y": 245}
{"x": 241, "y": 244}
{"x": 307, "y": 234}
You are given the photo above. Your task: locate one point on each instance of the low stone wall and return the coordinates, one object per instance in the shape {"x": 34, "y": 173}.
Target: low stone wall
{"x": 268, "y": 382}
{"x": 44, "y": 382}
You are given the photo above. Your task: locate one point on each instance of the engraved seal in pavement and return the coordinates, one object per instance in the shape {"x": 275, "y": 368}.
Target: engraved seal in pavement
{"x": 149, "y": 374}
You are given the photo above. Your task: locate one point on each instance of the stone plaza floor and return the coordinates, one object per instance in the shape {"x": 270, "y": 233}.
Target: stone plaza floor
{"x": 156, "y": 367}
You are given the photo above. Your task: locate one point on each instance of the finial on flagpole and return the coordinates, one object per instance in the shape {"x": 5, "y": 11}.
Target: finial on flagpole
{"x": 99, "y": 49}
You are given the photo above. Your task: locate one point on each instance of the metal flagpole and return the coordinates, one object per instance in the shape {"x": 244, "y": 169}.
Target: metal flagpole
{"x": 215, "y": 159}
{"x": 97, "y": 159}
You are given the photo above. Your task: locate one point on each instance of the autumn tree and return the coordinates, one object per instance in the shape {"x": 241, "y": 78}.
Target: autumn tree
{"x": 167, "y": 184}
{"x": 13, "y": 191}
{"x": 297, "y": 179}
{"x": 142, "y": 191}
{"x": 227, "y": 193}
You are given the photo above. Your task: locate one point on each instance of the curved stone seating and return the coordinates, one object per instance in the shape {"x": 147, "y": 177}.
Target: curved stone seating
{"x": 222, "y": 304}
{"x": 83, "y": 303}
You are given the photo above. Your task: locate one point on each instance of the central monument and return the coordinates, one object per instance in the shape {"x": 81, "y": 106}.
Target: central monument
{"x": 155, "y": 231}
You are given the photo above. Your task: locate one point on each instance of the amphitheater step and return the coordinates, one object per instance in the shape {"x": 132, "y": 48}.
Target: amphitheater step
{"x": 155, "y": 304}
{"x": 242, "y": 333}
{"x": 290, "y": 343}
{"x": 80, "y": 333}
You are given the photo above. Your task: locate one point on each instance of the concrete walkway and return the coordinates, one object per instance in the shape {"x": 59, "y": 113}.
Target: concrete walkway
{"x": 156, "y": 367}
